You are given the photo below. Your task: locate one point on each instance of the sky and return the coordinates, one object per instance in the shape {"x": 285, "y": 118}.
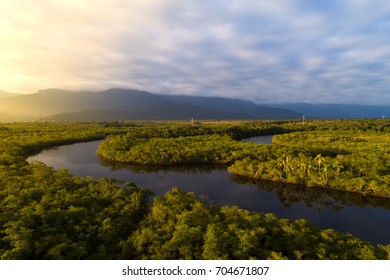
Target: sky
{"x": 264, "y": 51}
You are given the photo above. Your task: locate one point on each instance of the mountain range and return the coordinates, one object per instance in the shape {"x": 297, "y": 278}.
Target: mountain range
{"x": 127, "y": 104}
{"x": 6, "y": 94}
{"x": 338, "y": 111}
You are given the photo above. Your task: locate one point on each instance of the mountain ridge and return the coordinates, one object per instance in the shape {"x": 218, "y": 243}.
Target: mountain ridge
{"x": 6, "y": 94}
{"x": 132, "y": 104}
{"x": 337, "y": 111}
{"x": 57, "y": 104}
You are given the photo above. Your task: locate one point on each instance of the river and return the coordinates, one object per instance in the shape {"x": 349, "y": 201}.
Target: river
{"x": 365, "y": 217}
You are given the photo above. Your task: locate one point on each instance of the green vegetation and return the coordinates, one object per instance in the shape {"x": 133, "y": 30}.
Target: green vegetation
{"x": 181, "y": 150}
{"x": 48, "y": 214}
{"x": 51, "y": 214}
{"x": 180, "y": 226}
{"x": 351, "y": 155}
{"x": 185, "y": 144}
{"x": 356, "y": 160}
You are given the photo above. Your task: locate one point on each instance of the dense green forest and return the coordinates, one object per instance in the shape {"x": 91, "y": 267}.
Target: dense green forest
{"x": 356, "y": 161}
{"x": 52, "y": 214}
{"x": 350, "y": 155}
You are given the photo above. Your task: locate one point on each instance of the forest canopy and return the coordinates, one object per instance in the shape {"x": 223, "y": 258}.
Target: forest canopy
{"x": 351, "y": 155}
{"x": 52, "y": 214}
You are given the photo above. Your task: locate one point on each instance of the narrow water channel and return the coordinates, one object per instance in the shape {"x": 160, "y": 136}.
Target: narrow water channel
{"x": 365, "y": 217}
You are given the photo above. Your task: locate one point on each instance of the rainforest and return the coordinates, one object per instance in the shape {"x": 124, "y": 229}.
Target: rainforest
{"x": 48, "y": 213}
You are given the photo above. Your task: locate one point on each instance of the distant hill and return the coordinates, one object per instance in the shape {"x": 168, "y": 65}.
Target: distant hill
{"x": 337, "y": 111}
{"x": 56, "y": 101}
{"x": 13, "y": 118}
{"x": 99, "y": 115}
{"x": 128, "y": 104}
{"x": 164, "y": 110}
{"x": 4, "y": 94}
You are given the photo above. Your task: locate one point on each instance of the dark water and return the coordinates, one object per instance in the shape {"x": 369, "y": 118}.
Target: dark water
{"x": 266, "y": 139}
{"x": 365, "y": 217}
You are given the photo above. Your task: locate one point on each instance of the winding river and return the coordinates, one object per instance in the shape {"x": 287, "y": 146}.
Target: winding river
{"x": 365, "y": 217}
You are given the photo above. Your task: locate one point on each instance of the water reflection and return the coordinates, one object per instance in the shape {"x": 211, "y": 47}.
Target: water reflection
{"x": 265, "y": 139}
{"x": 145, "y": 169}
{"x": 313, "y": 197}
{"x": 364, "y": 216}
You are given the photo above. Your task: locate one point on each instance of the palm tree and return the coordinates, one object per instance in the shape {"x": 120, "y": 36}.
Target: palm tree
{"x": 320, "y": 160}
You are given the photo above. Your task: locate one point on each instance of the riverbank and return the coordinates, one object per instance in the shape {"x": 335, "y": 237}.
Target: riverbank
{"x": 322, "y": 207}
{"x": 345, "y": 155}
{"x": 52, "y": 214}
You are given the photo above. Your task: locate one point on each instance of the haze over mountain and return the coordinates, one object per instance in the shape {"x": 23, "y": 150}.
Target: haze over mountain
{"x": 337, "y": 111}
{"x": 5, "y": 94}
{"x": 128, "y": 104}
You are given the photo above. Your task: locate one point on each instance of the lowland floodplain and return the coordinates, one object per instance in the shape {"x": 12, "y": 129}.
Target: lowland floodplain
{"x": 48, "y": 213}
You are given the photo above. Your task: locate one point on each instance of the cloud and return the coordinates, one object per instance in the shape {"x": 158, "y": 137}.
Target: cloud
{"x": 266, "y": 51}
